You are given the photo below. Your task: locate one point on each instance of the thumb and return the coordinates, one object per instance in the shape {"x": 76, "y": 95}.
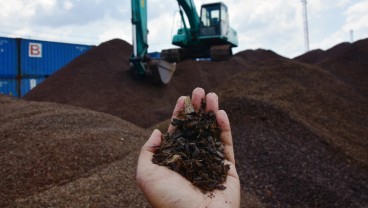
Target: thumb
{"x": 153, "y": 142}
{"x": 146, "y": 154}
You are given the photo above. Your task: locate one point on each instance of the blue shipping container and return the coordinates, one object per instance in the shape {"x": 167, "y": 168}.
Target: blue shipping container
{"x": 155, "y": 55}
{"x": 28, "y": 84}
{"x": 8, "y": 57}
{"x": 8, "y": 86}
{"x": 40, "y": 58}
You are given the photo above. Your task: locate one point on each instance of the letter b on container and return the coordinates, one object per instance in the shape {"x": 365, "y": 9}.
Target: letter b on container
{"x": 35, "y": 50}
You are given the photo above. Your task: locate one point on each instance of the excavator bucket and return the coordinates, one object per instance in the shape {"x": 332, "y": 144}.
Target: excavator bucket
{"x": 161, "y": 71}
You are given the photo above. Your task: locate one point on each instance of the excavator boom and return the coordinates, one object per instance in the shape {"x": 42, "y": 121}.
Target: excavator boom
{"x": 142, "y": 66}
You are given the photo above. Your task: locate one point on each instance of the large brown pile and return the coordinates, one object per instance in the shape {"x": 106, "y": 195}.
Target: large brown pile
{"x": 45, "y": 145}
{"x": 300, "y": 138}
{"x": 299, "y": 129}
{"x": 347, "y": 61}
{"x": 99, "y": 80}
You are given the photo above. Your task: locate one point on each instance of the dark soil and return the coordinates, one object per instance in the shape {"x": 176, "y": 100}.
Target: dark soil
{"x": 299, "y": 128}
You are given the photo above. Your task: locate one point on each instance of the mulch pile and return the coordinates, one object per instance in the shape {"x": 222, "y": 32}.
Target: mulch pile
{"x": 100, "y": 80}
{"x": 298, "y": 140}
{"x": 299, "y": 128}
{"x": 347, "y": 61}
{"x": 47, "y": 146}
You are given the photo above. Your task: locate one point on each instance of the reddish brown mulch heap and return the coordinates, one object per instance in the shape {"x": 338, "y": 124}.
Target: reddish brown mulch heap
{"x": 299, "y": 129}
{"x": 44, "y": 145}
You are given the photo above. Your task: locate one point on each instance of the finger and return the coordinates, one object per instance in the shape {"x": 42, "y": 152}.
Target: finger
{"x": 198, "y": 95}
{"x": 178, "y": 107}
{"x": 226, "y": 138}
{"x": 212, "y": 102}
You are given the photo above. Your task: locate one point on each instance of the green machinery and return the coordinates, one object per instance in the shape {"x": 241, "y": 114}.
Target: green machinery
{"x": 207, "y": 36}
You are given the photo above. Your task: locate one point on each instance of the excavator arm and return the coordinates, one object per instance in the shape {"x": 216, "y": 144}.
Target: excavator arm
{"x": 142, "y": 66}
{"x": 139, "y": 32}
{"x": 193, "y": 18}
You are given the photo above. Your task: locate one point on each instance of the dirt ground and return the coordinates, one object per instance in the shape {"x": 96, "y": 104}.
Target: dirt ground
{"x": 299, "y": 128}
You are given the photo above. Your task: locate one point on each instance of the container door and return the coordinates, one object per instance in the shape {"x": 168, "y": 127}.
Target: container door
{"x": 8, "y": 86}
{"x": 8, "y": 57}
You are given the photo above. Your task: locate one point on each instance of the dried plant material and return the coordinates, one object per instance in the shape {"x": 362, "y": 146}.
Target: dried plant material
{"x": 188, "y": 107}
{"x": 194, "y": 149}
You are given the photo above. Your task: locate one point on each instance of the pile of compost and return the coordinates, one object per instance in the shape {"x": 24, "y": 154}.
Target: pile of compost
{"x": 298, "y": 126}
{"x": 57, "y": 155}
{"x": 347, "y": 61}
{"x": 99, "y": 80}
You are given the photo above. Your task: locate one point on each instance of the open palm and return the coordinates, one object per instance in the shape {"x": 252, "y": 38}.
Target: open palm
{"x": 166, "y": 188}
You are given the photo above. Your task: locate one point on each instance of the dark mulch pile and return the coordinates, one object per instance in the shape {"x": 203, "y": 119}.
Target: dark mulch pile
{"x": 99, "y": 80}
{"x": 45, "y": 144}
{"x": 299, "y": 129}
{"x": 347, "y": 61}
{"x": 313, "y": 96}
{"x": 291, "y": 146}
{"x": 287, "y": 165}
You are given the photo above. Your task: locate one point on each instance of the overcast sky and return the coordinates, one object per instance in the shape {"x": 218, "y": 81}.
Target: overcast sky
{"x": 269, "y": 24}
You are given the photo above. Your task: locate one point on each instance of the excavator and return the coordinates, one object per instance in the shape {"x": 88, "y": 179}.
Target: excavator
{"x": 209, "y": 36}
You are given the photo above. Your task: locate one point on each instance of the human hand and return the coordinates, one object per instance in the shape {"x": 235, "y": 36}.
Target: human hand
{"x": 166, "y": 188}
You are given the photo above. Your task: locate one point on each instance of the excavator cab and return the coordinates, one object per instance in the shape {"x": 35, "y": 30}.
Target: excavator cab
{"x": 215, "y": 31}
{"x": 214, "y": 21}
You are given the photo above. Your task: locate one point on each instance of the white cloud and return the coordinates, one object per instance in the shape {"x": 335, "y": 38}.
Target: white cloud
{"x": 357, "y": 16}
{"x": 14, "y": 10}
{"x": 112, "y": 28}
{"x": 354, "y": 18}
{"x": 268, "y": 24}
{"x": 68, "y": 5}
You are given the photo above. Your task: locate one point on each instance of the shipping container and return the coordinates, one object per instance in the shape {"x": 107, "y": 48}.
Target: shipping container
{"x": 14, "y": 86}
{"x": 155, "y": 55}
{"x": 42, "y": 58}
{"x": 28, "y": 84}
{"x": 25, "y": 63}
{"x": 8, "y": 57}
{"x": 8, "y": 86}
